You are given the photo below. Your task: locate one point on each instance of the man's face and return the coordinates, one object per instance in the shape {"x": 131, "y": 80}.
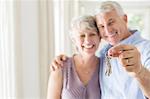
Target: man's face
{"x": 112, "y": 27}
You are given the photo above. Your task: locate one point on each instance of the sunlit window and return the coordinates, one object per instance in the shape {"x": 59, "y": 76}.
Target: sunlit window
{"x": 136, "y": 21}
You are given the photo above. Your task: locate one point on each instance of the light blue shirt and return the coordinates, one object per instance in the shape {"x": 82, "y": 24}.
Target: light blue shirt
{"x": 120, "y": 85}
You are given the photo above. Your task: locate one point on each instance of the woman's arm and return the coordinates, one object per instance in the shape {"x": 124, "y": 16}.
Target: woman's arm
{"x": 55, "y": 84}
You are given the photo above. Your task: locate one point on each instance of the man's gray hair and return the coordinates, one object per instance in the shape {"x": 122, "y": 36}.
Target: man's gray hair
{"x": 86, "y": 22}
{"x": 109, "y": 6}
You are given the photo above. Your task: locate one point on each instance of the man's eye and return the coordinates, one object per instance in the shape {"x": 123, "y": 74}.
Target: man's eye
{"x": 100, "y": 27}
{"x": 111, "y": 23}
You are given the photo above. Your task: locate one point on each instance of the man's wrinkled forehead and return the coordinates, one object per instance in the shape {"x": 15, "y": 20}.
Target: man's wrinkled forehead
{"x": 107, "y": 16}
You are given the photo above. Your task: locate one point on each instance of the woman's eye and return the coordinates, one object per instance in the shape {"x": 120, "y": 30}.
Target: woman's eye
{"x": 82, "y": 35}
{"x": 92, "y": 34}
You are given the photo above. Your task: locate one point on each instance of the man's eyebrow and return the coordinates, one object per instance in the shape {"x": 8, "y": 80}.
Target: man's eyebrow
{"x": 110, "y": 20}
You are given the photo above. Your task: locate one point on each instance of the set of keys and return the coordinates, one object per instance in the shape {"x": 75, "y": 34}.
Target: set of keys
{"x": 108, "y": 70}
{"x": 108, "y": 65}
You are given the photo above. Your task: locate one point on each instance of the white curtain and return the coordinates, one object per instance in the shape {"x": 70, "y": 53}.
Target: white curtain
{"x": 32, "y": 32}
{"x": 46, "y": 48}
{"x": 64, "y": 11}
{"x": 26, "y": 48}
{"x": 7, "y": 67}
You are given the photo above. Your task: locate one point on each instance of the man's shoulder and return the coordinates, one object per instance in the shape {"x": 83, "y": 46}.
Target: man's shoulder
{"x": 143, "y": 44}
{"x": 138, "y": 39}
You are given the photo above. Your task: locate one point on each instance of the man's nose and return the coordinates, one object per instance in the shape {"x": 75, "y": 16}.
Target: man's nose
{"x": 107, "y": 30}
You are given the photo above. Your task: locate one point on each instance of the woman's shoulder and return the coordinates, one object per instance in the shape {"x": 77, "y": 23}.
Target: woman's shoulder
{"x": 68, "y": 61}
{"x": 68, "y": 64}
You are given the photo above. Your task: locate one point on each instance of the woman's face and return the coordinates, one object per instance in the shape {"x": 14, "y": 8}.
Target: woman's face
{"x": 87, "y": 41}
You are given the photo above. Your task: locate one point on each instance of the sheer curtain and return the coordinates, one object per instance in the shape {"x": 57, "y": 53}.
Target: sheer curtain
{"x": 32, "y": 32}
{"x": 26, "y": 48}
{"x": 64, "y": 11}
{"x": 7, "y": 67}
{"x": 46, "y": 42}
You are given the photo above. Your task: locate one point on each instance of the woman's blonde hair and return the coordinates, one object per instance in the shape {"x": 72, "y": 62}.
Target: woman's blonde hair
{"x": 86, "y": 22}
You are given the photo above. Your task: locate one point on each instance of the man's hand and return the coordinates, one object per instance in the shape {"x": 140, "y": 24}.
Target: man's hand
{"x": 129, "y": 57}
{"x": 57, "y": 62}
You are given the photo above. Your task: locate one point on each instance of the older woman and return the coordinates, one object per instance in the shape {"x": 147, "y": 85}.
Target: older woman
{"x": 79, "y": 79}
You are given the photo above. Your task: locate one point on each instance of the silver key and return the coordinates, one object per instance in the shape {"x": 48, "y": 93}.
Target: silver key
{"x": 108, "y": 65}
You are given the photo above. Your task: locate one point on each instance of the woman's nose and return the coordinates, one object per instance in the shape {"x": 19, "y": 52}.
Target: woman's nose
{"x": 87, "y": 39}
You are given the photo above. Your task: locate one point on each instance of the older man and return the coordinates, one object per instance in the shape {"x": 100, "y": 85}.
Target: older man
{"x": 128, "y": 75}
{"x": 130, "y": 78}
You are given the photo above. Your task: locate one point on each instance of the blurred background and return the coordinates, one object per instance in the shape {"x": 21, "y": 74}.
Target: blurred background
{"x": 33, "y": 32}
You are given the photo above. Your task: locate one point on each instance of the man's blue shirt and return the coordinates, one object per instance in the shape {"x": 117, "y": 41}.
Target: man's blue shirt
{"x": 120, "y": 85}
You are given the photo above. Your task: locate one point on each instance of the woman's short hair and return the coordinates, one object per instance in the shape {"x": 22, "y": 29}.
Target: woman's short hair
{"x": 86, "y": 22}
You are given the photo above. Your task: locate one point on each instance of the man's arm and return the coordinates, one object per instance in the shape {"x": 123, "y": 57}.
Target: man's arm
{"x": 130, "y": 58}
{"x": 58, "y": 62}
{"x": 143, "y": 78}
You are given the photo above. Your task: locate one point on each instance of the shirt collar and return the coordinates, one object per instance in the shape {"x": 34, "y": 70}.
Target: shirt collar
{"x": 132, "y": 38}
